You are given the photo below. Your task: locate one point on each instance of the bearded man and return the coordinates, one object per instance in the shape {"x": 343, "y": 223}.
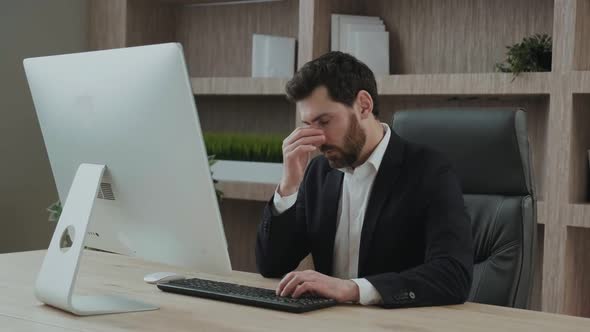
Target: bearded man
{"x": 383, "y": 218}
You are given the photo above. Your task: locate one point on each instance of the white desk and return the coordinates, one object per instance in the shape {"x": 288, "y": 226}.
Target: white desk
{"x": 105, "y": 273}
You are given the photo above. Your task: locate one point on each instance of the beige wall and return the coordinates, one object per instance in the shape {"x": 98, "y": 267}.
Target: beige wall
{"x": 29, "y": 28}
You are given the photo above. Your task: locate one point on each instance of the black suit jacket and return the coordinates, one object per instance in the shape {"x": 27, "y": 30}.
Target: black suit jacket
{"x": 416, "y": 243}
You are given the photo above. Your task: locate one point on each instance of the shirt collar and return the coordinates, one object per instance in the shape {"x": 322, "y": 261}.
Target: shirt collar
{"x": 377, "y": 155}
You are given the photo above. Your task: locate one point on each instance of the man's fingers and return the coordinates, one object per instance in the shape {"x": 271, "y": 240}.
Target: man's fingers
{"x": 293, "y": 280}
{"x": 285, "y": 281}
{"x": 301, "y": 132}
{"x": 292, "y": 284}
{"x": 303, "y": 288}
{"x": 308, "y": 140}
{"x": 300, "y": 149}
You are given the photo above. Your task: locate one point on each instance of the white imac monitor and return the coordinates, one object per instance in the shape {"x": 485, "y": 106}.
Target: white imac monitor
{"x": 125, "y": 145}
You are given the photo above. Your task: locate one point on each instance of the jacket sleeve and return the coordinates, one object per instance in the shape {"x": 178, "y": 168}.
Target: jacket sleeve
{"x": 282, "y": 240}
{"x": 446, "y": 275}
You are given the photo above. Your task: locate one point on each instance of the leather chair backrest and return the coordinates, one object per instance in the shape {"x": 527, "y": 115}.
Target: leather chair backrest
{"x": 490, "y": 152}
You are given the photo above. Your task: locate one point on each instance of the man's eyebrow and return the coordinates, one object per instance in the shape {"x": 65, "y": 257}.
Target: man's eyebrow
{"x": 316, "y": 118}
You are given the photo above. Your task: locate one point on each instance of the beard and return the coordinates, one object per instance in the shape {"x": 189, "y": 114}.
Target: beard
{"x": 346, "y": 156}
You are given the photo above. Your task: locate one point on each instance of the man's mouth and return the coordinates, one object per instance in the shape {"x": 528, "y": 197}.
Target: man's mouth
{"x": 331, "y": 153}
{"x": 326, "y": 148}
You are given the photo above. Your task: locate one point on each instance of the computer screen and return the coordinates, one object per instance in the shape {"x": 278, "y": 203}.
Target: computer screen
{"x": 132, "y": 109}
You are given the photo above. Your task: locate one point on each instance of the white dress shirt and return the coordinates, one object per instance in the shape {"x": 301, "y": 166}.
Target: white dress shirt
{"x": 356, "y": 188}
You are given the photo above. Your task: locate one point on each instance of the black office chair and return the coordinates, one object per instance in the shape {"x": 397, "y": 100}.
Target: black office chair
{"x": 490, "y": 152}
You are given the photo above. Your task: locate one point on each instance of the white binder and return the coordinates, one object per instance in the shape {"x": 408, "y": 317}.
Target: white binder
{"x": 273, "y": 56}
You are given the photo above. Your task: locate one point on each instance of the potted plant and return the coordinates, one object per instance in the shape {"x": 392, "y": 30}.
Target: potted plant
{"x": 246, "y": 157}
{"x": 533, "y": 54}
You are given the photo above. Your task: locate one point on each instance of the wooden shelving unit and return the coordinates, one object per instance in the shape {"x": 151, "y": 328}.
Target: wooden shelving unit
{"x": 465, "y": 84}
{"x": 580, "y": 81}
{"x": 247, "y": 114}
{"x": 579, "y": 215}
{"x": 397, "y": 85}
{"x": 442, "y": 55}
{"x": 238, "y": 86}
{"x": 577, "y": 270}
{"x": 260, "y": 192}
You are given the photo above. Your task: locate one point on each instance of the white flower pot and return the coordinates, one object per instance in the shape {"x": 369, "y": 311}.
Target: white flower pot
{"x": 247, "y": 171}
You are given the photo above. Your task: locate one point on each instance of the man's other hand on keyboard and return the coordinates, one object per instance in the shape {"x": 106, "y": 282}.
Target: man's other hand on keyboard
{"x": 312, "y": 282}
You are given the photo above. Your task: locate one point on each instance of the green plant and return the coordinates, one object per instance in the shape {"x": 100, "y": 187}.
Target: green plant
{"x": 245, "y": 147}
{"x": 533, "y": 54}
{"x": 55, "y": 211}
{"x": 54, "y": 214}
{"x": 218, "y": 192}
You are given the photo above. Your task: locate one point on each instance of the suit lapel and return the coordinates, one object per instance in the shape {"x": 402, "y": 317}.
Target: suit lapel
{"x": 380, "y": 195}
{"x": 328, "y": 219}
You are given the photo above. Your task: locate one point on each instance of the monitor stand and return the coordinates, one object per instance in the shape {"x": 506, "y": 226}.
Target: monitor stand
{"x": 57, "y": 277}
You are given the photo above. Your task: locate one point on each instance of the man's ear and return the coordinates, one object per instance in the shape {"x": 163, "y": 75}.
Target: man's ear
{"x": 365, "y": 103}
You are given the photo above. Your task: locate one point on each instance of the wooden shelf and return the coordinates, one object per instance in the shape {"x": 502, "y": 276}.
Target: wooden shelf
{"x": 580, "y": 144}
{"x": 581, "y": 32}
{"x": 577, "y": 277}
{"x": 207, "y": 2}
{"x": 246, "y": 86}
{"x": 580, "y": 81}
{"x": 247, "y": 190}
{"x": 395, "y": 85}
{"x": 465, "y": 84}
{"x": 578, "y": 215}
{"x": 426, "y": 36}
{"x": 541, "y": 216}
{"x": 537, "y": 287}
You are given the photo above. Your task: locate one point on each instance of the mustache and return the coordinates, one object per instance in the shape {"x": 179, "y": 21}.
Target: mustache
{"x": 325, "y": 147}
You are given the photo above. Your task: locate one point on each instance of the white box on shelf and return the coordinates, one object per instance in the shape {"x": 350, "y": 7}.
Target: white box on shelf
{"x": 247, "y": 171}
{"x": 347, "y": 29}
{"x": 273, "y": 56}
{"x": 372, "y": 48}
{"x": 336, "y": 23}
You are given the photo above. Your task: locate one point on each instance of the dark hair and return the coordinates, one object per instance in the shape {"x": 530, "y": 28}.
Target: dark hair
{"x": 342, "y": 74}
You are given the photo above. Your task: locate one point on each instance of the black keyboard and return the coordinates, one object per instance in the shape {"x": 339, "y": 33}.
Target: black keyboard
{"x": 253, "y": 296}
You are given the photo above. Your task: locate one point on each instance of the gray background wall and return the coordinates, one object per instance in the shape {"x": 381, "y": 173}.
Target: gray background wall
{"x": 29, "y": 28}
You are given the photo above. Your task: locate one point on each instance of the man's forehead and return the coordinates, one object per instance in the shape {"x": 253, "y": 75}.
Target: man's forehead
{"x": 314, "y": 112}
{"x": 311, "y": 111}
{"x": 310, "y": 117}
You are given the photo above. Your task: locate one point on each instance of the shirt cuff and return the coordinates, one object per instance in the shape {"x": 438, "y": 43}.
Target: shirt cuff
{"x": 368, "y": 294}
{"x": 282, "y": 204}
